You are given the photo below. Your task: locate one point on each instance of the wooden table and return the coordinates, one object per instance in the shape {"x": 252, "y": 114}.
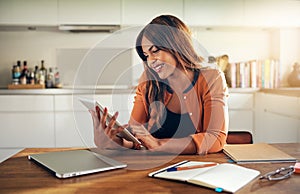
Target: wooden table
{"x": 19, "y": 175}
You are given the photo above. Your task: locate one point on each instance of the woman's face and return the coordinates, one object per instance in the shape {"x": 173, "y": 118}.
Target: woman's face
{"x": 162, "y": 62}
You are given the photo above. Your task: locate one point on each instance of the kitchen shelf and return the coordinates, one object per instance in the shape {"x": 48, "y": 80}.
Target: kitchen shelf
{"x": 26, "y": 86}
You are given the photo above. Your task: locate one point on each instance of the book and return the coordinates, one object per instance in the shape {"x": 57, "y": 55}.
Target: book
{"x": 222, "y": 177}
{"x": 260, "y": 152}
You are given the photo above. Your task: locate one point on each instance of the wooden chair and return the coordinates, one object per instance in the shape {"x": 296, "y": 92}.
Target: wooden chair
{"x": 239, "y": 137}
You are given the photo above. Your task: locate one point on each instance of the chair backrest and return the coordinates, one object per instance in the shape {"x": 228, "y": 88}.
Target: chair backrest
{"x": 239, "y": 137}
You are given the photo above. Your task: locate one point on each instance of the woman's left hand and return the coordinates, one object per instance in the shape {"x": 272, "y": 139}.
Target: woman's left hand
{"x": 140, "y": 132}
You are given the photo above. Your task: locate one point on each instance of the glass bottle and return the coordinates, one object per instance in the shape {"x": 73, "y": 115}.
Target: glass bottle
{"x": 43, "y": 70}
{"x": 24, "y": 74}
{"x": 50, "y": 79}
{"x": 57, "y": 78}
{"x": 36, "y": 74}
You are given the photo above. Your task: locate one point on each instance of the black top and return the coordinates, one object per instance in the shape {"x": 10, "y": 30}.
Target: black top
{"x": 175, "y": 125}
{"x": 196, "y": 75}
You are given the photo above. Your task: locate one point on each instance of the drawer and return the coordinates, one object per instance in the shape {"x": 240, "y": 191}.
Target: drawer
{"x": 283, "y": 105}
{"x": 27, "y": 130}
{"x": 114, "y": 102}
{"x": 240, "y": 101}
{"x": 241, "y": 120}
{"x": 26, "y": 103}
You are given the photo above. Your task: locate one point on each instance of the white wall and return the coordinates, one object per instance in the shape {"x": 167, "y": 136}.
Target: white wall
{"x": 239, "y": 43}
{"x": 290, "y": 51}
{"x": 34, "y": 46}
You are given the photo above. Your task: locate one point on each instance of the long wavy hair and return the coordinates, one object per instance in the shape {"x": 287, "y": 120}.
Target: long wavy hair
{"x": 170, "y": 34}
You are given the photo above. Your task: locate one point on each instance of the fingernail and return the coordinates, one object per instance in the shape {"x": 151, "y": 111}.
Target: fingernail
{"x": 105, "y": 109}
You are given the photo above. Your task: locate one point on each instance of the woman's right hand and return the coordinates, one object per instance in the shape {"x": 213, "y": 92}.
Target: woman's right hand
{"x": 105, "y": 135}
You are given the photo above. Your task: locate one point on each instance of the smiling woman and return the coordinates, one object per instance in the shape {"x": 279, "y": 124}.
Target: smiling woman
{"x": 180, "y": 107}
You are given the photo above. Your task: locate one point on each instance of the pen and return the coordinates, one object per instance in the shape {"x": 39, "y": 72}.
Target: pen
{"x": 190, "y": 167}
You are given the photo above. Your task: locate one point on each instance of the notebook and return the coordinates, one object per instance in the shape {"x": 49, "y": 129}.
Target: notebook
{"x": 221, "y": 177}
{"x": 65, "y": 164}
{"x": 260, "y": 152}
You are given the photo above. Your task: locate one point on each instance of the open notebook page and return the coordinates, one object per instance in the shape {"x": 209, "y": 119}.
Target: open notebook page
{"x": 183, "y": 175}
{"x": 229, "y": 177}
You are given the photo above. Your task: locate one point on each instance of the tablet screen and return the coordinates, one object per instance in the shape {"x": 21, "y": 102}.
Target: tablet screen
{"x": 91, "y": 104}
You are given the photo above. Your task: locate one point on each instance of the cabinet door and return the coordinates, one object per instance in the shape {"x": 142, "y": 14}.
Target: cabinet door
{"x": 74, "y": 129}
{"x": 240, "y": 120}
{"x": 141, "y": 12}
{"x": 29, "y": 12}
{"x": 73, "y": 122}
{"x": 241, "y": 107}
{"x": 277, "y": 118}
{"x": 27, "y": 121}
{"x": 283, "y": 105}
{"x": 278, "y": 129}
{"x": 27, "y": 129}
{"x": 89, "y": 12}
{"x": 272, "y": 13}
{"x": 213, "y": 12}
{"x": 240, "y": 101}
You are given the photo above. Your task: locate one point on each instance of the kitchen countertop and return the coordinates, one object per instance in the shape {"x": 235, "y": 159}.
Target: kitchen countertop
{"x": 68, "y": 91}
{"x": 283, "y": 91}
{"x": 119, "y": 90}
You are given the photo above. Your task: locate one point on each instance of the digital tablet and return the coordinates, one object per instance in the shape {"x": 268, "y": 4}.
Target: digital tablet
{"x": 126, "y": 134}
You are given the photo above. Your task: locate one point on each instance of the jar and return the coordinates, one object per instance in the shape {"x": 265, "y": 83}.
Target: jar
{"x": 294, "y": 76}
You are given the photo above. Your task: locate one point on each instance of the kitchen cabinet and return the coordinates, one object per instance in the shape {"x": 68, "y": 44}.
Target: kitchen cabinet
{"x": 241, "y": 112}
{"x": 277, "y": 118}
{"x": 141, "y": 12}
{"x": 95, "y": 12}
{"x": 29, "y": 12}
{"x": 270, "y": 13}
{"x": 73, "y": 122}
{"x": 27, "y": 121}
{"x": 214, "y": 12}
{"x": 54, "y": 120}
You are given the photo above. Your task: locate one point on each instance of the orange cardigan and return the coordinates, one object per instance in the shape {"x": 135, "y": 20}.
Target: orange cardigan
{"x": 206, "y": 103}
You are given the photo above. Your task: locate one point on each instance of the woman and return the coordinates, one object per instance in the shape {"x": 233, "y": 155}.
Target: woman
{"x": 179, "y": 106}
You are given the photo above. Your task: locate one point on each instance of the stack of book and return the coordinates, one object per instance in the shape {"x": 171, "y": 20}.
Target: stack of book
{"x": 255, "y": 74}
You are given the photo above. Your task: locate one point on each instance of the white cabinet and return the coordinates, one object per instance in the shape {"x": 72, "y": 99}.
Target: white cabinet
{"x": 272, "y": 13}
{"x": 241, "y": 112}
{"x": 73, "y": 122}
{"x": 214, "y": 12}
{"x": 141, "y": 12}
{"x": 54, "y": 120}
{"x": 27, "y": 121}
{"x": 29, "y": 12}
{"x": 89, "y": 12}
{"x": 277, "y": 118}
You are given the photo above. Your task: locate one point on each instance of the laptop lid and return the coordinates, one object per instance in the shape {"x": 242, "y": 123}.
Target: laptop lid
{"x": 65, "y": 164}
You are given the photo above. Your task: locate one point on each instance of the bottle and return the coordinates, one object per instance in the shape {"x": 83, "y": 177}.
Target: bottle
{"x": 56, "y": 78}
{"x": 36, "y": 74}
{"x": 43, "y": 70}
{"x": 50, "y": 78}
{"x": 24, "y": 74}
{"x": 41, "y": 77}
{"x": 16, "y": 75}
{"x": 30, "y": 77}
